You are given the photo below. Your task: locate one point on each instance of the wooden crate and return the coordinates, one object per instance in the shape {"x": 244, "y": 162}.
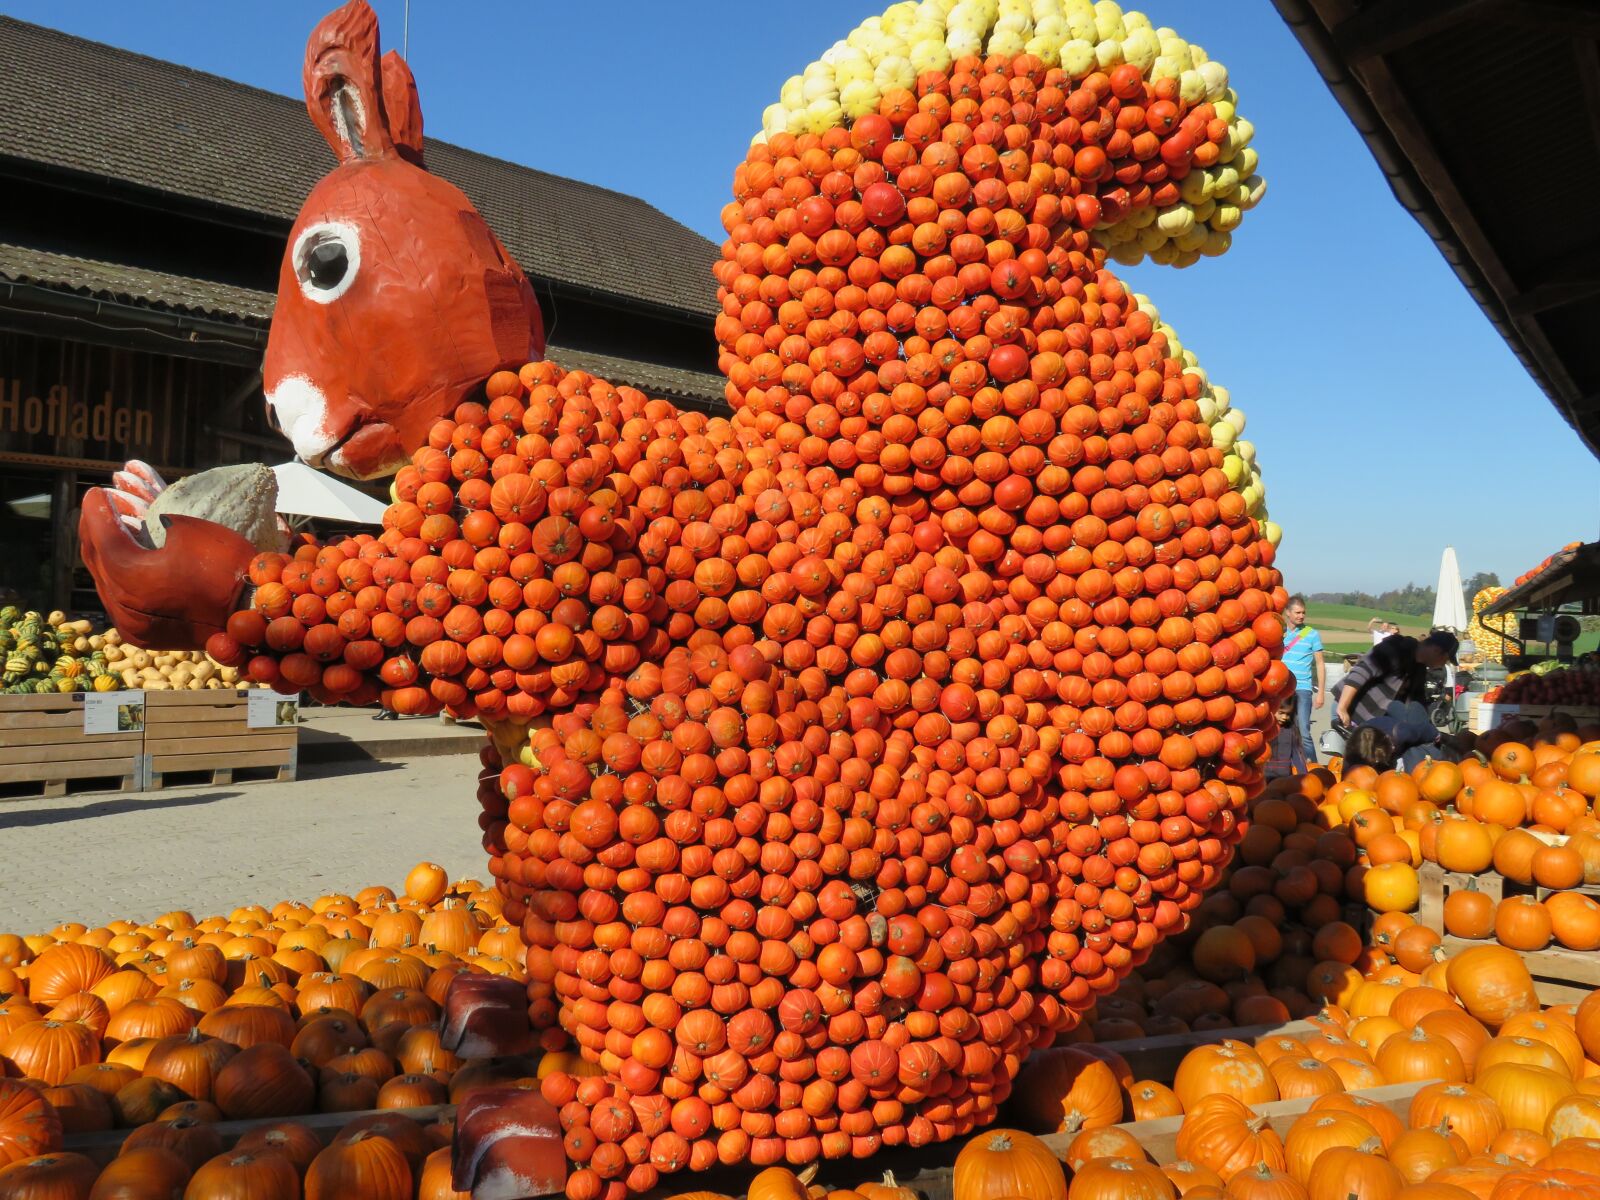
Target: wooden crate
{"x": 1560, "y": 976}
{"x": 103, "y": 1145}
{"x": 1492, "y": 716}
{"x": 44, "y": 751}
{"x": 1435, "y": 885}
{"x": 1159, "y": 1137}
{"x": 206, "y": 732}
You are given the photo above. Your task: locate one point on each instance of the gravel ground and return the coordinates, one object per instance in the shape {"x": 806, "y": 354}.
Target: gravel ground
{"x": 207, "y": 849}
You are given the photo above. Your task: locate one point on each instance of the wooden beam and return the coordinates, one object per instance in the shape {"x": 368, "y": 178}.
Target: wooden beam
{"x": 1382, "y": 29}
{"x": 1546, "y": 296}
{"x": 1587, "y": 53}
{"x": 1418, "y": 144}
{"x": 1578, "y": 18}
{"x": 103, "y": 1145}
{"x": 1575, "y": 278}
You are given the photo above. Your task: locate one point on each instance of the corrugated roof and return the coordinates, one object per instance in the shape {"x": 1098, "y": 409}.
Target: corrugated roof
{"x": 111, "y": 114}
{"x": 671, "y": 383}
{"x": 247, "y": 306}
{"x": 134, "y": 285}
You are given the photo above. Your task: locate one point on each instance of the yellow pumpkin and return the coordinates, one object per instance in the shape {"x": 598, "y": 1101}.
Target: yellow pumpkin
{"x": 1526, "y": 1096}
{"x": 1393, "y": 887}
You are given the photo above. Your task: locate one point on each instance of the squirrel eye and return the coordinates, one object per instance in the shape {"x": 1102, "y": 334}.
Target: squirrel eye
{"x": 326, "y": 258}
{"x": 326, "y": 264}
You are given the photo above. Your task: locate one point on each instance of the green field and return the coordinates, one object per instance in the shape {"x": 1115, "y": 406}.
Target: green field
{"x": 1349, "y": 616}
{"x": 1334, "y": 650}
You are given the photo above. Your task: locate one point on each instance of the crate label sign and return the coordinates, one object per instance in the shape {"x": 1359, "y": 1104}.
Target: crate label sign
{"x": 267, "y": 709}
{"x": 113, "y": 712}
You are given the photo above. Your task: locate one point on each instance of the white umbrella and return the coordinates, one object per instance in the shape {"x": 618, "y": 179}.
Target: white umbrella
{"x": 37, "y": 506}
{"x": 303, "y": 492}
{"x": 1450, "y": 606}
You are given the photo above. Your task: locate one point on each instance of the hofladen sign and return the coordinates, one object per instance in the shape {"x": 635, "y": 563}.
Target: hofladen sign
{"x": 60, "y": 415}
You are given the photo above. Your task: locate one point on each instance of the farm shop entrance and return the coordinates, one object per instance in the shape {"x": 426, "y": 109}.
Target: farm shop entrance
{"x": 71, "y": 413}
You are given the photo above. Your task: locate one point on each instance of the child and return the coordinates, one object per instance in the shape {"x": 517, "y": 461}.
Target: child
{"x": 1390, "y": 740}
{"x": 1288, "y": 751}
{"x": 1372, "y": 747}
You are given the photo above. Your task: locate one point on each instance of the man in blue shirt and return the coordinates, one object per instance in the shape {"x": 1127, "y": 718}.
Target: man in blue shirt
{"x": 1302, "y": 654}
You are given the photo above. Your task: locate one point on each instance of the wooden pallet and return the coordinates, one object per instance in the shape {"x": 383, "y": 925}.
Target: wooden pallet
{"x": 1560, "y": 976}
{"x": 205, "y": 733}
{"x": 1159, "y": 1137}
{"x": 927, "y": 1169}
{"x": 1435, "y": 885}
{"x": 44, "y": 751}
{"x": 102, "y": 1145}
{"x": 930, "y": 1169}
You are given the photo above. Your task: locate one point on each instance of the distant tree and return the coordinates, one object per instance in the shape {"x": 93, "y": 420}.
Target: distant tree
{"x": 1411, "y": 600}
{"x": 1483, "y": 579}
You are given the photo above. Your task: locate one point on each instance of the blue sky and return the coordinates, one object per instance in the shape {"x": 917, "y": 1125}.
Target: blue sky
{"x": 1390, "y": 417}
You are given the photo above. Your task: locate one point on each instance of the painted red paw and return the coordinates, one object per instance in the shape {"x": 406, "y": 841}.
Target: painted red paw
{"x": 486, "y": 1016}
{"x": 171, "y": 598}
{"x": 507, "y": 1146}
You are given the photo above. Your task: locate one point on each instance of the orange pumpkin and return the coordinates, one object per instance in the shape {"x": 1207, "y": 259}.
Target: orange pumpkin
{"x": 65, "y": 969}
{"x": 1347, "y": 1171}
{"x": 1420, "y": 1153}
{"x": 29, "y": 1126}
{"x": 427, "y": 883}
{"x": 1461, "y": 1109}
{"x": 60, "y": 1175}
{"x": 244, "y": 1173}
{"x": 1068, "y": 1090}
{"x": 1525, "y": 1095}
{"x": 1222, "y": 1134}
{"x": 1574, "y": 920}
{"x": 50, "y": 1050}
{"x": 1005, "y": 1162}
{"x": 263, "y": 1081}
{"x": 141, "y": 1173}
{"x": 1492, "y": 984}
{"x": 1228, "y": 1068}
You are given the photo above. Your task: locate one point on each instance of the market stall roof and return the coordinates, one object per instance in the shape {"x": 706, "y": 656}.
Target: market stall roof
{"x": 1571, "y": 577}
{"x": 1485, "y": 117}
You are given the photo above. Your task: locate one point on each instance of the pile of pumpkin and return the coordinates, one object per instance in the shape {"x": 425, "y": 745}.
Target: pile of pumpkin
{"x": 1546, "y": 564}
{"x": 165, "y": 670}
{"x": 166, "y": 1027}
{"x": 1327, "y": 858}
{"x": 1577, "y": 686}
{"x": 48, "y": 654}
{"x": 1508, "y": 1088}
{"x": 891, "y": 719}
{"x": 1524, "y": 808}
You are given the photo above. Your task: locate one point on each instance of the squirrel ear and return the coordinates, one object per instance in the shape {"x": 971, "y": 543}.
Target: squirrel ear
{"x": 401, "y": 107}
{"x": 342, "y": 79}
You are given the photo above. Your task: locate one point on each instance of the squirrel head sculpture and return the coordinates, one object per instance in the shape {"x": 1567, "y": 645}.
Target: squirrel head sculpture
{"x": 395, "y": 298}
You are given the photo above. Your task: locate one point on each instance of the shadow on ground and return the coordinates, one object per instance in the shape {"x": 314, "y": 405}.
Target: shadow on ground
{"x": 106, "y": 808}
